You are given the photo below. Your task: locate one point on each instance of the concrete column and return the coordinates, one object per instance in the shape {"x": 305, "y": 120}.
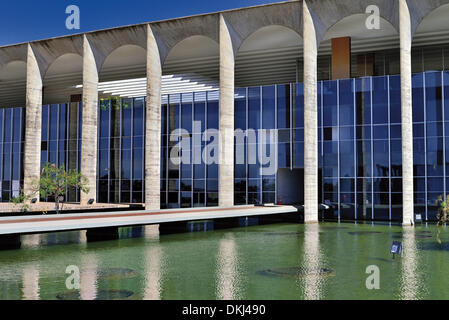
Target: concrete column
{"x": 32, "y": 156}
{"x": 153, "y": 125}
{"x": 226, "y": 167}
{"x": 407, "y": 120}
{"x": 310, "y": 119}
{"x": 90, "y": 122}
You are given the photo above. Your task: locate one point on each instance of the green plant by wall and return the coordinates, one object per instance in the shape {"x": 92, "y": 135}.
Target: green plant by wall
{"x": 55, "y": 181}
{"x": 442, "y": 216}
{"x": 23, "y": 201}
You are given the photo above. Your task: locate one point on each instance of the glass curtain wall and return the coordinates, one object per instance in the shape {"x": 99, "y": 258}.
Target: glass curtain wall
{"x": 12, "y": 134}
{"x": 277, "y": 107}
{"x": 192, "y": 182}
{"x": 430, "y": 116}
{"x": 362, "y": 150}
{"x": 61, "y": 140}
{"x": 121, "y": 145}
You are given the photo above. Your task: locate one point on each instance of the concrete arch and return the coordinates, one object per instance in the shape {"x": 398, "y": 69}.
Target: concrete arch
{"x": 271, "y": 54}
{"x": 13, "y": 83}
{"x": 245, "y": 22}
{"x": 285, "y": 34}
{"x": 419, "y": 10}
{"x": 196, "y": 54}
{"x": 47, "y": 52}
{"x": 169, "y": 34}
{"x": 66, "y": 64}
{"x": 61, "y": 76}
{"x": 131, "y": 56}
{"x": 13, "y": 53}
{"x": 104, "y": 43}
{"x": 13, "y": 70}
{"x": 434, "y": 21}
{"x": 326, "y": 13}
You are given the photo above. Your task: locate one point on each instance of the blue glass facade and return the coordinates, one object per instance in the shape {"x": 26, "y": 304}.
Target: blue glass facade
{"x": 121, "y": 155}
{"x": 61, "y": 139}
{"x": 193, "y": 182}
{"x": 360, "y": 151}
{"x": 12, "y": 124}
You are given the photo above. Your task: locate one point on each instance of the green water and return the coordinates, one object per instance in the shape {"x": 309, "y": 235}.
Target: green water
{"x": 283, "y": 261}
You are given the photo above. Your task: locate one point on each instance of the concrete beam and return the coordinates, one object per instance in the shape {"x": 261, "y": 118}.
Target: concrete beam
{"x": 406, "y": 115}
{"x": 153, "y": 124}
{"x": 33, "y": 125}
{"x": 90, "y": 122}
{"x": 310, "y": 119}
{"x": 226, "y": 165}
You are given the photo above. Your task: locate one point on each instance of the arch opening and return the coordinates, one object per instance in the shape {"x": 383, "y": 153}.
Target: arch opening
{"x": 430, "y": 46}
{"x": 270, "y": 55}
{"x": 13, "y": 84}
{"x": 366, "y": 52}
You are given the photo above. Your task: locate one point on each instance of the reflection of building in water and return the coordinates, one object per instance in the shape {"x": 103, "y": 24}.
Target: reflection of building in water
{"x": 409, "y": 282}
{"x": 88, "y": 285}
{"x": 31, "y": 241}
{"x": 30, "y": 282}
{"x": 151, "y": 232}
{"x": 154, "y": 273}
{"x": 312, "y": 263}
{"x": 228, "y": 276}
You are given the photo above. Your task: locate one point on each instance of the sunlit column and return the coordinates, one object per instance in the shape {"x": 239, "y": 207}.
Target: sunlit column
{"x": 226, "y": 166}
{"x": 153, "y": 124}
{"x": 153, "y": 277}
{"x": 30, "y": 283}
{"x": 407, "y": 120}
{"x": 228, "y": 282}
{"x": 90, "y": 123}
{"x": 310, "y": 119}
{"x": 312, "y": 263}
{"x": 33, "y": 124}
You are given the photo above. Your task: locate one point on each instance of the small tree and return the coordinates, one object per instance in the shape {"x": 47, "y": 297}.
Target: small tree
{"x": 22, "y": 201}
{"x": 54, "y": 182}
{"x": 442, "y": 216}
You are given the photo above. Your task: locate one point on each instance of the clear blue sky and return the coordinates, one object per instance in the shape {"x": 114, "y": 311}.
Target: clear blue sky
{"x": 28, "y": 20}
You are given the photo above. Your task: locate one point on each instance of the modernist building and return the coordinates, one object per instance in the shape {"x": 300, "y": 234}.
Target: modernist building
{"x": 360, "y": 111}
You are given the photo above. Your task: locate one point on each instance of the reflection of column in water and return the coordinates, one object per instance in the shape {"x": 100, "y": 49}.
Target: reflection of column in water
{"x": 30, "y": 282}
{"x": 32, "y": 240}
{"x": 228, "y": 282}
{"x": 409, "y": 276}
{"x": 88, "y": 285}
{"x": 82, "y": 237}
{"x": 153, "y": 278}
{"x": 312, "y": 262}
{"x": 151, "y": 232}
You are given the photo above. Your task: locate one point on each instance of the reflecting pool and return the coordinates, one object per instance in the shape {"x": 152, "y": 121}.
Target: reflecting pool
{"x": 281, "y": 261}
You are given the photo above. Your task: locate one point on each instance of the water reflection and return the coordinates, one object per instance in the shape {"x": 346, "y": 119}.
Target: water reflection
{"x": 153, "y": 278}
{"x": 30, "y": 282}
{"x": 31, "y": 241}
{"x": 88, "y": 288}
{"x": 312, "y": 261}
{"x": 52, "y": 239}
{"x": 228, "y": 275}
{"x": 410, "y": 282}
